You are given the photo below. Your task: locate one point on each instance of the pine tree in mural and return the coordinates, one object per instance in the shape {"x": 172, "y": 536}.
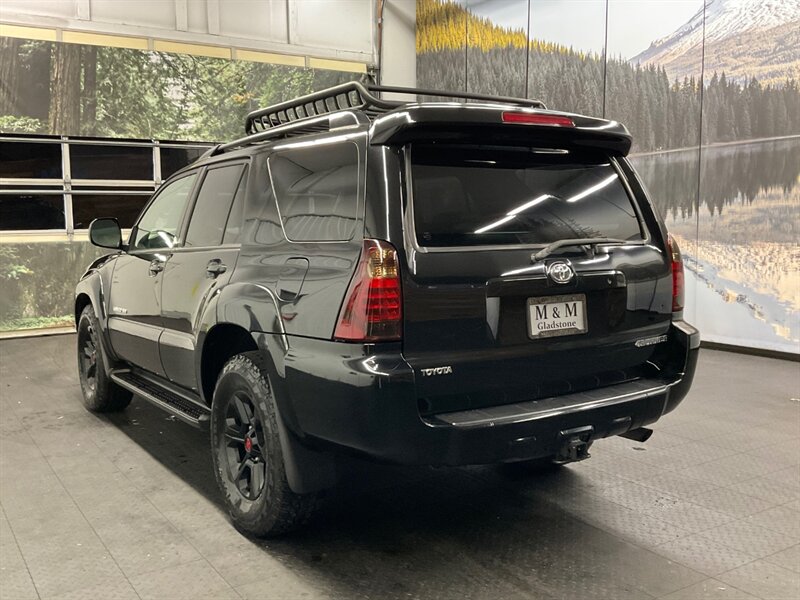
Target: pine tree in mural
{"x": 457, "y": 50}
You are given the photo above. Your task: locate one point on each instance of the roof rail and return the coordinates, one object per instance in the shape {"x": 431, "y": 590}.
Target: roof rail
{"x": 354, "y": 96}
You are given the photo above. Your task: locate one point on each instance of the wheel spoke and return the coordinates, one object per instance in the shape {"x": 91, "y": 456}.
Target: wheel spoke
{"x": 234, "y": 435}
{"x": 256, "y": 478}
{"x": 242, "y": 466}
{"x": 241, "y": 411}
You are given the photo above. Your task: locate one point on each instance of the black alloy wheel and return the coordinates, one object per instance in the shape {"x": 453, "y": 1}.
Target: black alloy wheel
{"x": 99, "y": 392}
{"x": 244, "y": 434}
{"x": 87, "y": 356}
{"x": 246, "y": 451}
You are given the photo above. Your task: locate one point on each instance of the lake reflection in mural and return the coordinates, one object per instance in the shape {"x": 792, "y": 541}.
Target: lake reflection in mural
{"x": 740, "y": 245}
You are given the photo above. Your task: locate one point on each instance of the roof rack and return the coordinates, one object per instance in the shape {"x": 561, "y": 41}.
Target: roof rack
{"x": 354, "y": 96}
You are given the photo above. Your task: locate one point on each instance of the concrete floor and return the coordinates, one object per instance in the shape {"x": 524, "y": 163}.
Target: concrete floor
{"x": 126, "y": 506}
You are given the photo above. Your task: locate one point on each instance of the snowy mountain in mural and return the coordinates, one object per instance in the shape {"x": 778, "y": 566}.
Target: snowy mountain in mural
{"x": 744, "y": 38}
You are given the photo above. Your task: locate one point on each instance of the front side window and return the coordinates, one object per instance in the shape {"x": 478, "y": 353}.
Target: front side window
{"x": 213, "y": 206}
{"x": 158, "y": 226}
{"x": 316, "y": 189}
{"x": 483, "y": 195}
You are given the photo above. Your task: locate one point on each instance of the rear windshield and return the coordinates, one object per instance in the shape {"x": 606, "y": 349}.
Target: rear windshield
{"x": 482, "y": 195}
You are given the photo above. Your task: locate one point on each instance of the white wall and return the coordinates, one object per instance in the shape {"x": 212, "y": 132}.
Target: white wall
{"x": 333, "y": 29}
{"x": 399, "y": 59}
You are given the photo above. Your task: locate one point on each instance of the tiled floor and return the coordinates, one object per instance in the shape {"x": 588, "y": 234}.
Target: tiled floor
{"x": 126, "y": 507}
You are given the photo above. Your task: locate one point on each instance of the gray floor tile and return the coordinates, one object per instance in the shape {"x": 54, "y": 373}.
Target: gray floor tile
{"x": 779, "y": 518}
{"x": 765, "y": 580}
{"x": 183, "y": 582}
{"x": 616, "y": 526}
{"x": 788, "y": 559}
{"x": 734, "y": 503}
{"x": 747, "y": 538}
{"x": 710, "y": 589}
{"x": 704, "y": 555}
{"x": 16, "y": 584}
{"x": 110, "y": 590}
{"x": 151, "y": 553}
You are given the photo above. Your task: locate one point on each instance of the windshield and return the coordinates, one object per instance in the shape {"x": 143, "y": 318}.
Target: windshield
{"x": 484, "y": 195}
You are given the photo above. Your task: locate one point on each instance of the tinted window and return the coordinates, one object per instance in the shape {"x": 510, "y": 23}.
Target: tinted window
{"x": 125, "y": 208}
{"x": 465, "y": 196}
{"x": 159, "y": 225}
{"x": 213, "y": 205}
{"x": 111, "y": 162}
{"x": 32, "y": 212}
{"x": 233, "y": 228}
{"x": 317, "y": 191}
{"x": 30, "y": 160}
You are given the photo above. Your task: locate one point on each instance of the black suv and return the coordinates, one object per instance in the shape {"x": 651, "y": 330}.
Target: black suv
{"x": 442, "y": 283}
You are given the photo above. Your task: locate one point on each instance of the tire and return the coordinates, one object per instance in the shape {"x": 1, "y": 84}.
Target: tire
{"x": 100, "y": 394}
{"x": 247, "y": 455}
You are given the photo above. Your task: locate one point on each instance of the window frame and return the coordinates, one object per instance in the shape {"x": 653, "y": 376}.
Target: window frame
{"x": 187, "y": 217}
{"x": 410, "y": 232}
{"x": 197, "y": 172}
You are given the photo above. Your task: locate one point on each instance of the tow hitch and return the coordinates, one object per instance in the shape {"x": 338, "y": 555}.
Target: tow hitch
{"x": 574, "y": 445}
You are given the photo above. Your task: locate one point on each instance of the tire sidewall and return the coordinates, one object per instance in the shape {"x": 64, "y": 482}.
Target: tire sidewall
{"x": 241, "y": 374}
{"x": 87, "y": 326}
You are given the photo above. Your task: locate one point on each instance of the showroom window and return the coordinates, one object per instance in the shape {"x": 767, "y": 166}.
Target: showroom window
{"x": 52, "y": 184}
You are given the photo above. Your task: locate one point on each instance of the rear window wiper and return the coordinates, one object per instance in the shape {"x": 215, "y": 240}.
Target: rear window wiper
{"x": 550, "y": 248}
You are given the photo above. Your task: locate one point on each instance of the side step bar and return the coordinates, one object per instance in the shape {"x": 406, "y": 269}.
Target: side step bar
{"x": 177, "y": 402}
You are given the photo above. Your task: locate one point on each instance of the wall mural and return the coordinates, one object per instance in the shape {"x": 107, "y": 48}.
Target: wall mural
{"x": 80, "y": 90}
{"x": 73, "y": 89}
{"x": 711, "y": 94}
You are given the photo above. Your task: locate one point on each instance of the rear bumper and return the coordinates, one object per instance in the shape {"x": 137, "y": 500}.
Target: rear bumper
{"x": 367, "y": 404}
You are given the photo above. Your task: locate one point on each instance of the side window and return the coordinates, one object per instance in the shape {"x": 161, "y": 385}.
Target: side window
{"x": 233, "y": 228}
{"x": 213, "y": 205}
{"x": 316, "y": 189}
{"x": 158, "y": 226}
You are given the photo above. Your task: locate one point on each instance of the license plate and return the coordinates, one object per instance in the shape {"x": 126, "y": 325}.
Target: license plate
{"x": 551, "y": 316}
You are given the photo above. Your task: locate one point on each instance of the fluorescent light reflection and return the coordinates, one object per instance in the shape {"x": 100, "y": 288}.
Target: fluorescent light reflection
{"x": 593, "y": 189}
{"x": 528, "y": 205}
{"x": 505, "y": 219}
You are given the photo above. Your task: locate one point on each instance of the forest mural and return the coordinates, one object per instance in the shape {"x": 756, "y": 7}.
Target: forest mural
{"x": 712, "y": 97}
{"x": 108, "y": 92}
{"x": 73, "y": 89}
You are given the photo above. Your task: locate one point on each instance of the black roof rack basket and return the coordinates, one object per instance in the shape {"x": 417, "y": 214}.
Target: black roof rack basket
{"x": 355, "y": 96}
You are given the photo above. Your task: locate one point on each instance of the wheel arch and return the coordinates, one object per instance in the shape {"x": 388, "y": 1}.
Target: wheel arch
{"x": 221, "y": 343}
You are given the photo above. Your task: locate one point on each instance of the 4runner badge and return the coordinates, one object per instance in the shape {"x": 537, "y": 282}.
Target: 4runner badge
{"x": 437, "y": 371}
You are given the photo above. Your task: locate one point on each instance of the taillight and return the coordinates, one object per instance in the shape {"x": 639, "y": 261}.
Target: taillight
{"x": 677, "y": 274}
{"x": 373, "y": 306}
{"x": 537, "y": 119}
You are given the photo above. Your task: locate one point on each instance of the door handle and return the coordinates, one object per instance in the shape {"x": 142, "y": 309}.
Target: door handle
{"x": 156, "y": 266}
{"x": 215, "y": 268}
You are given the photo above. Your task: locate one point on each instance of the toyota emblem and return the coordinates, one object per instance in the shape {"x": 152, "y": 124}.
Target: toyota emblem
{"x": 560, "y": 272}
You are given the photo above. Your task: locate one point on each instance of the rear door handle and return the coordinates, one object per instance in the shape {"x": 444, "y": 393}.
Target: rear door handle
{"x": 215, "y": 268}
{"x": 156, "y": 266}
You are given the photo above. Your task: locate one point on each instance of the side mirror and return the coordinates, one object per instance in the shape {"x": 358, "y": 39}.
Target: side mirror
{"x": 105, "y": 233}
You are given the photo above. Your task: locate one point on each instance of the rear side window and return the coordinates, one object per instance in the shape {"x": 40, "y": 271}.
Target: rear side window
{"x": 482, "y": 195}
{"x": 213, "y": 205}
{"x": 316, "y": 189}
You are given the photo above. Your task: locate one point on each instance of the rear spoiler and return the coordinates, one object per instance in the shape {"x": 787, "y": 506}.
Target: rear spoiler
{"x": 482, "y": 123}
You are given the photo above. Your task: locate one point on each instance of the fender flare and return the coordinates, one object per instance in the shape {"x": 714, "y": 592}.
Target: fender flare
{"x": 255, "y": 308}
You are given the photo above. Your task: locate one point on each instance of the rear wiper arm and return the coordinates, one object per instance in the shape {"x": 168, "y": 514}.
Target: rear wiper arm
{"x": 550, "y": 248}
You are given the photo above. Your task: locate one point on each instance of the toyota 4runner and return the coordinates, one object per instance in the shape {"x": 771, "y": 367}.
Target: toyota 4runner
{"x": 471, "y": 281}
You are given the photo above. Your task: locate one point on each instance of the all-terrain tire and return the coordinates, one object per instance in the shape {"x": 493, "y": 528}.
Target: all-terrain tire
{"x": 100, "y": 393}
{"x": 258, "y": 497}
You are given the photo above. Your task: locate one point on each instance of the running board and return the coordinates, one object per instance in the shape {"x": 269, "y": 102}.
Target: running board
{"x": 177, "y": 402}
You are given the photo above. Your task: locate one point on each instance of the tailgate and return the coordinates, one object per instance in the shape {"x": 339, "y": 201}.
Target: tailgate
{"x": 486, "y": 323}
